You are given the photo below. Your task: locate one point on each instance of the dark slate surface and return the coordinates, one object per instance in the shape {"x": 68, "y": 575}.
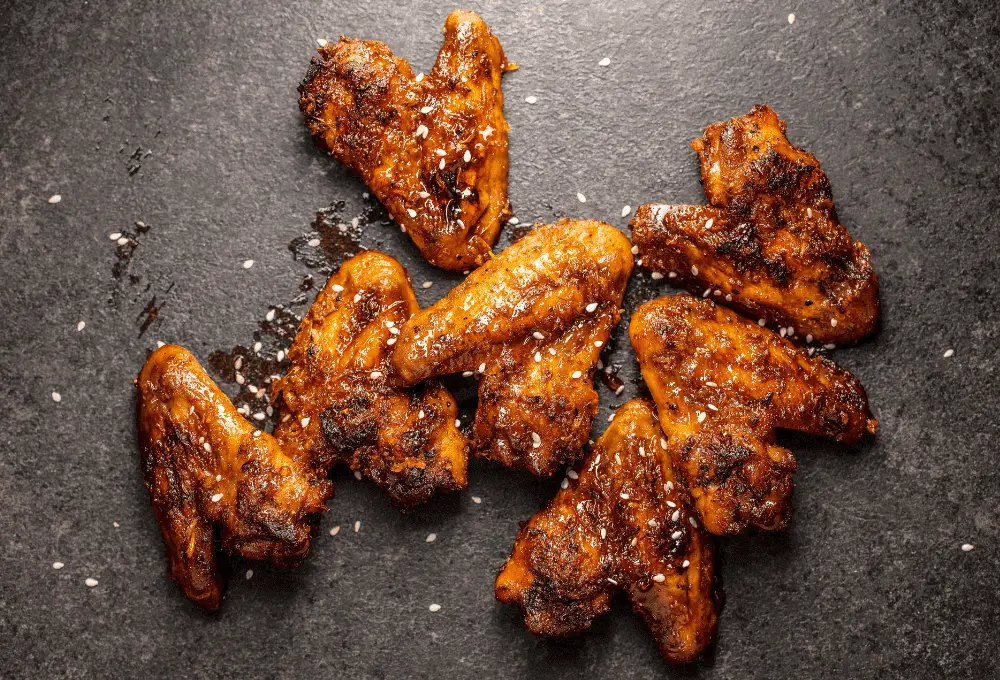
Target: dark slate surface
{"x": 899, "y": 101}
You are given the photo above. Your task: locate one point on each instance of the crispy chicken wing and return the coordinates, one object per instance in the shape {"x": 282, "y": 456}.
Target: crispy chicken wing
{"x": 206, "y": 467}
{"x": 336, "y": 399}
{"x": 620, "y": 522}
{"x": 722, "y": 385}
{"x": 432, "y": 148}
{"x": 769, "y": 244}
{"x": 530, "y": 323}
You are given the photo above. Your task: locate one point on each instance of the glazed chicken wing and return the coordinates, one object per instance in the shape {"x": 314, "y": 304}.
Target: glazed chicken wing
{"x": 432, "y": 148}
{"x": 530, "y": 323}
{"x": 769, "y": 243}
{"x": 207, "y": 467}
{"x": 619, "y": 523}
{"x": 336, "y": 399}
{"x": 722, "y": 385}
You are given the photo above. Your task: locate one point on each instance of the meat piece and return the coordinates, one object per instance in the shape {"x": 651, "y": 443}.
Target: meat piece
{"x": 205, "y": 466}
{"x": 769, "y": 243}
{"x": 620, "y": 522}
{"x": 337, "y": 402}
{"x": 432, "y": 148}
{"x": 722, "y": 385}
{"x": 530, "y": 323}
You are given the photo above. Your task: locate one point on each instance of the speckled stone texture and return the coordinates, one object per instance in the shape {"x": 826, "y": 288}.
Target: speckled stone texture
{"x": 898, "y": 99}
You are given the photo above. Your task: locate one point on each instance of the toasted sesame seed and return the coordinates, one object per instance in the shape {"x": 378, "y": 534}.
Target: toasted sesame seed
{"x": 482, "y": 367}
{"x": 357, "y": 526}
{"x": 207, "y": 447}
{"x": 56, "y": 397}
{"x": 791, "y": 18}
{"x": 477, "y": 500}
{"x": 426, "y": 109}
{"x": 281, "y": 355}
{"x": 672, "y": 275}
{"x": 531, "y": 99}
{"x": 659, "y": 578}
{"x": 708, "y": 291}
{"x": 421, "y": 415}
{"x": 252, "y": 388}
{"x": 393, "y": 330}
{"x": 948, "y": 353}
{"x": 564, "y": 483}
{"x": 467, "y": 156}
{"x": 701, "y": 416}
{"x": 91, "y": 582}
{"x": 246, "y": 263}
{"x": 694, "y": 270}
{"x": 55, "y": 198}
{"x": 577, "y": 374}
{"x": 375, "y": 374}
{"x": 335, "y": 530}
{"x": 249, "y": 574}
{"x": 635, "y": 250}
{"x": 240, "y": 380}
{"x": 216, "y": 498}
{"x": 435, "y": 607}
{"x": 580, "y": 197}
{"x": 968, "y": 547}
{"x": 592, "y": 307}
{"x": 58, "y": 565}
{"x": 458, "y": 422}
{"x": 829, "y": 346}
{"x": 611, "y": 417}
{"x": 709, "y": 383}
{"x": 572, "y": 474}
{"x": 357, "y": 298}
{"x": 604, "y": 62}
{"x": 624, "y": 495}
{"x": 305, "y": 421}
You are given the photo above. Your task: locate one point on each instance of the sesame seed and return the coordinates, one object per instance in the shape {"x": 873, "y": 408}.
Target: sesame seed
{"x": 435, "y": 607}
{"x": 693, "y": 522}
{"x": 259, "y": 416}
{"x": 656, "y": 276}
{"x": 122, "y": 241}
{"x": 322, "y": 43}
{"x": 809, "y": 337}
{"x": 829, "y": 346}
{"x": 663, "y": 443}
{"x": 252, "y": 388}
{"x": 676, "y": 535}
{"x": 218, "y": 478}
{"x": 624, "y": 496}
{"x": 477, "y": 500}
{"x": 713, "y": 407}
{"x": 428, "y": 284}
{"x": 216, "y": 498}
{"x": 708, "y": 291}
{"x": 423, "y": 194}
{"x": 671, "y": 504}
{"x": 256, "y": 347}
{"x": 949, "y": 353}
{"x": 305, "y": 421}
{"x": 708, "y": 225}
{"x": 709, "y": 383}
{"x": 421, "y": 415}
{"x": 115, "y": 235}
{"x": 626, "y": 211}
{"x": 246, "y": 263}
{"x": 791, "y": 18}
{"x": 375, "y": 374}
{"x": 598, "y": 343}
{"x": 468, "y": 156}
{"x": 281, "y": 355}
{"x": 659, "y": 578}
{"x": 685, "y": 564}
{"x": 701, "y": 416}
{"x": 357, "y": 526}
{"x": 426, "y": 109}
{"x": 458, "y": 422}
{"x": 968, "y": 547}
{"x": 58, "y": 565}
{"x": 672, "y": 275}
{"x": 833, "y": 322}
{"x": 618, "y": 458}
{"x": 635, "y": 250}
{"x": 552, "y": 351}
{"x": 572, "y": 474}
{"x": 761, "y": 322}
{"x": 81, "y": 325}
{"x": 694, "y": 270}
{"x": 249, "y": 574}
{"x": 621, "y": 388}
{"x": 531, "y": 100}
{"x": 431, "y": 538}
{"x": 335, "y": 530}
{"x": 604, "y": 532}
{"x": 91, "y": 582}
{"x": 208, "y": 447}
{"x": 537, "y": 336}
{"x": 240, "y": 380}
{"x": 577, "y": 374}
{"x": 592, "y": 307}
{"x": 580, "y": 197}
{"x": 467, "y": 374}
{"x": 604, "y": 62}
{"x": 441, "y": 164}
{"x": 422, "y": 131}
{"x": 513, "y": 220}
{"x": 420, "y": 76}
{"x": 269, "y": 316}
{"x": 668, "y": 487}
{"x": 611, "y": 417}
{"x": 56, "y": 397}
{"x": 55, "y": 198}
{"x": 564, "y": 483}
{"x": 411, "y": 212}
{"x": 676, "y": 516}
{"x": 482, "y": 367}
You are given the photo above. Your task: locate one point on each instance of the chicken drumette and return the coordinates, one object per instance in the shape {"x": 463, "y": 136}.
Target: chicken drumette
{"x": 769, "y": 243}
{"x": 722, "y": 385}
{"x": 530, "y": 323}
{"x": 432, "y": 148}
{"x": 621, "y": 522}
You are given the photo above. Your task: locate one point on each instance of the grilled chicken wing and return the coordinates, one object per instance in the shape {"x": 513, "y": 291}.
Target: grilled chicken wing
{"x": 621, "y": 522}
{"x": 769, "y": 244}
{"x": 432, "y": 148}
{"x": 336, "y": 399}
{"x": 531, "y": 323}
{"x": 722, "y": 385}
{"x": 205, "y": 466}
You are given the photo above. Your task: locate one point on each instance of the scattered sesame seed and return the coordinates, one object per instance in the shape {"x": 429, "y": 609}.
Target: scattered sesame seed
{"x": 357, "y": 298}
{"x": 305, "y": 421}
{"x": 656, "y": 276}
{"x": 357, "y": 526}
{"x": 685, "y": 564}
{"x": 422, "y": 131}
{"x": 421, "y": 415}
{"x": 115, "y": 235}
{"x": 538, "y": 357}
{"x": 577, "y": 374}
{"x": 621, "y": 388}
{"x": 335, "y": 530}
{"x": 572, "y": 474}
{"x": 604, "y": 532}
{"x": 313, "y": 242}
{"x": 536, "y": 441}
{"x": 257, "y": 346}
{"x": 711, "y": 221}
{"x": 216, "y": 498}
{"x": 259, "y": 415}
{"x": 81, "y": 325}
{"x": 122, "y": 241}
{"x": 91, "y": 582}
{"x": 218, "y": 478}
{"x": 281, "y": 355}
{"x": 949, "y": 353}
{"x": 624, "y": 496}
{"x": 833, "y": 322}
{"x": 693, "y": 522}
{"x": 659, "y": 578}
{"x": 411, "y": 212}
{"x": 598, "y": 343}
{"x": 435, "y": 607}
{"x": 611, "y": 417}
{"x": 58, "y": 565}
{"x": 791, "y": 18}
{"x": 675, "y": 516}
{"x": 246, "y": 263}
{"x": 468, "y": 156}
{"x": 708, "y": 291}
{"x": 668, "y": 487}
{"x": 423, "y": 194}
{"x": 477, "y": 500}
{"x": 252, "y": 388}
{"x": 420, "y": 76}
{"x": 513, "y": 220}
{"x": 701, "y": 416}
{"x": 968, "y": 547}
{"x": 671, "y": 504}
{"x": 441, "y": 164}
{"x": 537, "y": 336}
{"x": 626, "y": 211}
{"x": 467, "y": 374}
{"x": 592, "y": 307}
{"x": 56, "y": 397}
{"x": 208, "y": 447}
{"x": 426, "y": 109}
{"x": 694, "y": 270}
{"x": 428, "y": 284}
{"x": 635, "y": 250}
{"x": 713, "y": 407}
{"x": 270, "y": 315}
{"x": 663, "y": 443}
{"x": 676, "y": 535}
{"x": 240, "y": 379}
{"x": 238, "y": 363}
{"x": 761, "y": 322}
{"x": 564, "y": 483}
{"x": 580, "y": 197}
{"x": 482, "y": 367}
{"x": 431, "y": 538}
{"x": 531, "y": 100}
{"x": 604, "y": 62}
{"x": 376, "y": 374}
{"x": 322, "y": 43}
{"x": 552, "y": 351}
{"x": 249, "y": 574}
{"x": 55, "y": 198}
{"x": 672, "y": 275}
{"x": 829, "y": 346}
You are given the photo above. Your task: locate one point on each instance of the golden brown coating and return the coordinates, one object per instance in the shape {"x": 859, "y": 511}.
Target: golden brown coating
{"x": 769, "y": 244}
{"x": 336, "y": 400}
{"x": 205, "y": 466}
{"x": 722, "y": 385}
{"x": 531, "y": 323}
{"x": 432, "y": 148}
{"x": 620, "y": 522}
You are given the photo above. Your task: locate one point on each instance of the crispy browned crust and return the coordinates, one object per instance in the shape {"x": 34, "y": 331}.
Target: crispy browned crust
{"x": 695, "y": 355}
{"x": 195, "y": 446}
{"x": 363, "y": 105}
{"x": 769, "y": 244}
{"x": 618, "y": 525}
{"x": 336, "y": 400}
{"x": 532, "y": 413}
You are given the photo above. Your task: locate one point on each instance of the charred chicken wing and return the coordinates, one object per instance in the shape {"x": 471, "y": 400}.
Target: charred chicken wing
{"x": 530, "y": 323}
{"x": 769, "y": 243}
{"x": 621, "y": 523}
{"x": 432, "y": 148}
{"x": 722, "y": 385}
{"x": 205, "y": 466}
{"x": 337, "y": 401}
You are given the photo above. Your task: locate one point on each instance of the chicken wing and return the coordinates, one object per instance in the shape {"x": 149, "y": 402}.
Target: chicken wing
{"x": 620, "y": 522}
{"x": 336, "y": 399}
{"x": 722, "y": 385}
{"x": 530, "y": 323}
{"x": 432, "y": 148}
{"x": 206, "y": 467}
{"x": 769, "y": 244}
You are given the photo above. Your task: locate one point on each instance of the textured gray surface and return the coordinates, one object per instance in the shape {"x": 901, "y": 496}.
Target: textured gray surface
{"x": 898, "y": 100}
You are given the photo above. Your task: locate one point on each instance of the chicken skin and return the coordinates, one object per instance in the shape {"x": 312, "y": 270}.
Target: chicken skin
{"x": 337, "y": 402}
{"x": 722, "y": 385}
{"x": 769, "y": 243}
{"x": 621, "y": 522}
{"x": 205, "y": 466}
{"x": 530, "y": 323}
{"x": 432, "y": 148}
